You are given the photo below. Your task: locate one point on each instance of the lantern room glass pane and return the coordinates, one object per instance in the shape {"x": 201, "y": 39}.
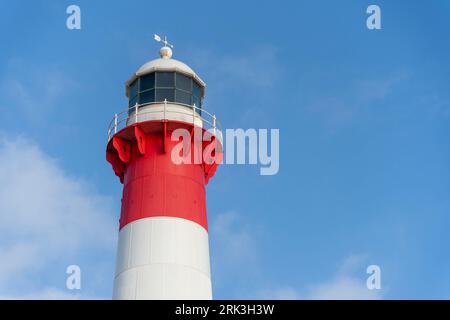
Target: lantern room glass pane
{"x": 165, "y": 79}
{"x": 147, "y": 82}
{"x": 162, "y": 94}
{"x": 134, "y": 88}
{"x": 183, "y": 97}
{"x": 133, "y": 101}
{"x": 196, "y": 90}
{"x": 183, "y": 82}
{"x": 147, "y": 96}
{"x": 196, "y": 100}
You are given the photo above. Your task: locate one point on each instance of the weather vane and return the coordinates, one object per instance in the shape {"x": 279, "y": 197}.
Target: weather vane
{"x": 158, "y": 39}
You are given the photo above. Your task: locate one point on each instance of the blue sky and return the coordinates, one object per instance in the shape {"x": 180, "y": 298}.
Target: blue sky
{"x": 364, "y": 119}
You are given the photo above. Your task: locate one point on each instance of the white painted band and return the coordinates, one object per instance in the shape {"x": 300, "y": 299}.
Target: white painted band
{"x": 162, "y": 258}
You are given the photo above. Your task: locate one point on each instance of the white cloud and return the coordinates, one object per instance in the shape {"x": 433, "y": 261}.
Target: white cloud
{"x": 234, "y": 254}
{"x": 254, "y": 68}
{"x": 46, "y": 217}
{"x": 343, "y": 288}
{"x": 233, "y": 248}
{"x": 236, "y": 243}
{"x": 44, "y": 294}
{"x": 250, "y": 73}
{"x": 346, "y": 284}
{"x": 341, "y": 109}
{"x": 236, "y": 260}
{"x": 282, "y": 293}
{"x": 52, "y": 294}
{"x": 32, "y": 92}
{"x": 258, "y": 67}
{"x": 368, "y": 90}
{"x": 437, "y": 105}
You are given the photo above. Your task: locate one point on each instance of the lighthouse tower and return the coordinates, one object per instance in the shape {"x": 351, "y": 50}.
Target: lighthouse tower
{"x": 163, "y": 250}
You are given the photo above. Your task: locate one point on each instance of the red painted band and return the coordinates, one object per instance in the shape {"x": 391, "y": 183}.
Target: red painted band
{"x": 153, "y": 184}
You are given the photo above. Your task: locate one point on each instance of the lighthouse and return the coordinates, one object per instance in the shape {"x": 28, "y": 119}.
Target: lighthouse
{"x": 163, "y": 250}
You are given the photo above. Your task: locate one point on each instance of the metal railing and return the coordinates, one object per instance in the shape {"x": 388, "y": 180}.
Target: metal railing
{"x": 122, "y": 119}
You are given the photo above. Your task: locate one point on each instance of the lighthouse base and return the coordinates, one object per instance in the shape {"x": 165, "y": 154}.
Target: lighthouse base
{"x": 163, "y": 258}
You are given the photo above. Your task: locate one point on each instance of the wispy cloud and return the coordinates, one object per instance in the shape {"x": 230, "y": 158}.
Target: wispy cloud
{"x": 438, "y": 105}
{"x": 46, "y": 218}
{"x": 234, "y": 253}
{"x": 44, "y": 294}
{"x": 280, "y": 293}
{"x": 234, "y": 241}
{"x": 256, "y": 67}
{"x": 51, "y": 294}
{"x": 31, "y": 92}
{"x": 242, "y": 77}
{"x": 338, "y": 109}
{"x": 349, "y": 282}
{"x": 236, "y": 258}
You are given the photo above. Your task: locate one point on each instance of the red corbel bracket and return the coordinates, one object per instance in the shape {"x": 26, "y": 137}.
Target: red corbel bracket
{"x": 123, "y": 148}
{"x": 140, "y": 138}
{"x": 117, "y": 165}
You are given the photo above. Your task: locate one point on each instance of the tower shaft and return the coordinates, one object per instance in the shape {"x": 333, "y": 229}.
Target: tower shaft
{"x": 163, "y": 240}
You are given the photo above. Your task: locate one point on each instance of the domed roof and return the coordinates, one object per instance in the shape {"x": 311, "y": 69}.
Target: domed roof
{"x": 165, "y": 63}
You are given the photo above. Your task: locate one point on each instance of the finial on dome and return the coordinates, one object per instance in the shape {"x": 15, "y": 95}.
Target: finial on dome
{"x": 166, "y": 51}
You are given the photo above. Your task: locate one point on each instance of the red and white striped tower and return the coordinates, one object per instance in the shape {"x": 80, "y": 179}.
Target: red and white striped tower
{"x": 163, "y": 250}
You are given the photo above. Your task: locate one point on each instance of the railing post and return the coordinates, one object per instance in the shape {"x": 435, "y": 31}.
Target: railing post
{"x": 136, "y": 109}
{"x": 193, "y": 114}
{"x": 165, "y": 105}
{"x": 115, "y": 123}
